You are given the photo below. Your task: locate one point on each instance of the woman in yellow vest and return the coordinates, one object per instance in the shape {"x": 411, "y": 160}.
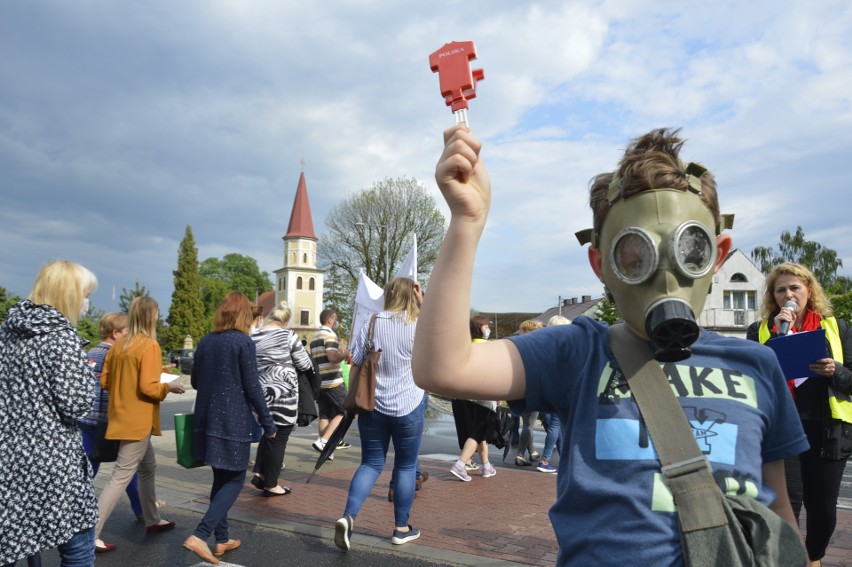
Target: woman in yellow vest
{"x": 794, "y": 300}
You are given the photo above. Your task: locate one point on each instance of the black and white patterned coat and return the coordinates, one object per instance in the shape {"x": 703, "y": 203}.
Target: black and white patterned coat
{"x": 46, "y": 490}
{"x": 279, "y": 354}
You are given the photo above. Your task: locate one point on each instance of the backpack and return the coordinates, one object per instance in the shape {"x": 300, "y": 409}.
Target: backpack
{"x": 498, "y": 430}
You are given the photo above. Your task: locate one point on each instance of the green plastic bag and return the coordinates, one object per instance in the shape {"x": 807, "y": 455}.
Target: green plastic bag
{"x": 184, "y": 426}
{"x": 344, "y": 371}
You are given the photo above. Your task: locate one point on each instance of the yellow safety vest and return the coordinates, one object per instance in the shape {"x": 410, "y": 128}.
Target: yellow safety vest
{"x": 840, "y": 403}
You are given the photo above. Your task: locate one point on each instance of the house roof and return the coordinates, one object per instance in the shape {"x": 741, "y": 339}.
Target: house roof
{"x": 571, "y": 308}
{"x": 266, "y": 300}
{"x": 301, "y": 224}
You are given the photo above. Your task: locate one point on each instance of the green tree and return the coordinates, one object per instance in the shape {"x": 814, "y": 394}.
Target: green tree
{"x": 6, "y": 302}
{"x": 822, "y": 261}
{"x": 239, "y": 273}
{"x": 842, "y": 305}
{"x": 127, "y": 296}
{"x": 339, "y": 294}
{"x": 186, "y": 314}
{"x": 373, "y": 229}
{"x": 607, "y": 311}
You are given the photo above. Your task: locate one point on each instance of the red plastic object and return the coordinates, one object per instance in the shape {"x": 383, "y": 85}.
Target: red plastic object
{"x": 458, "y": 82}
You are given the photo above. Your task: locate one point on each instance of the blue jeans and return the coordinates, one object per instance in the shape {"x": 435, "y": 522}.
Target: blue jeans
{"x": 226, "y": 488}
{"x": 377, "y": 430}
{"x": 132, "y": 489}
{"x": 553, "y": 437}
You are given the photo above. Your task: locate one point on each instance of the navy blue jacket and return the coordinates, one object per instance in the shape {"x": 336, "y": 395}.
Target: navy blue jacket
{"x": 225, "y": 375}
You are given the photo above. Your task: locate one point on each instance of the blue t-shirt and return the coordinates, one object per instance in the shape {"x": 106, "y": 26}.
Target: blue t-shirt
{"x": 613, "y": 506}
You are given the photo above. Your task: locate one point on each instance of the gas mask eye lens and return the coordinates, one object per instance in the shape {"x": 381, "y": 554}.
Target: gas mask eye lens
{"x": 634, "y": 256}
{"x": 693, "y": 250}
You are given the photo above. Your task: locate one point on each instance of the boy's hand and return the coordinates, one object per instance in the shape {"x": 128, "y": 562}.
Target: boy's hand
{"x": 462, "y": 176}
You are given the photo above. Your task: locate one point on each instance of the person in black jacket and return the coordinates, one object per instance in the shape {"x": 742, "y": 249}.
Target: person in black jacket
{"x": 794, "y": 299}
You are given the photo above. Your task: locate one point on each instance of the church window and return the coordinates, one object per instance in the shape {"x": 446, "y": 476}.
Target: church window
{"x": 304, "y": 258}
{"x": 299, "y": 282}
{"x": 738, "y": 277}
{"x": 311, "y": 284}
{"x": 304, "y": 317}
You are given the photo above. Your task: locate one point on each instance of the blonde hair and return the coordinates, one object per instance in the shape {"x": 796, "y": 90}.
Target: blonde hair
{"x": 528, "y": 326}
{"x": 110, "y": 323}
{"x": 817, "y": 300}
{"x": 400, "y": 297}
{"x": 558, "y": 320}
{"x": 281, "y": 314}
{"x": 142, "y": 318}
{"x": 63, "y": 285}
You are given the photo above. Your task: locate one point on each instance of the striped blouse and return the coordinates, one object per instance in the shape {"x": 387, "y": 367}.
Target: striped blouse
{"x": 279, "y": 354}
{"x": 396, "y": 392}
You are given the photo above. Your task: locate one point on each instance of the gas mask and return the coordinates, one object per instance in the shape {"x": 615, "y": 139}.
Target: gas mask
{"x": 658, "y": 257}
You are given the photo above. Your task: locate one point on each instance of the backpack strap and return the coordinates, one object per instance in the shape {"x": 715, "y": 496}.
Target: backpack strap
{"x": 687, "y": 470}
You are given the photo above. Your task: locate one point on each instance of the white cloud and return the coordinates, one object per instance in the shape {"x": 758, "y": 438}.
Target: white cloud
{"x": 121, "y": 124}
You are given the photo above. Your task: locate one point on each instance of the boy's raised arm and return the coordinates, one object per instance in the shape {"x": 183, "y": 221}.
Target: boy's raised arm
{"x": 444, "y": 360}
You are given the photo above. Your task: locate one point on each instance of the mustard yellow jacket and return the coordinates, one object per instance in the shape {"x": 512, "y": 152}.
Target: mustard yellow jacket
{"x": 132, "y": 377}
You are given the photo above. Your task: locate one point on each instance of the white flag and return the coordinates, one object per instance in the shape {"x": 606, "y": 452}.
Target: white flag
{"x": 369, "y": 299}
{"x": 408, "y": 269}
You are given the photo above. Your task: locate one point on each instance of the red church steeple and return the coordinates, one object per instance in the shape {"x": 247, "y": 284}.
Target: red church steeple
{"x": 301, "y": 224}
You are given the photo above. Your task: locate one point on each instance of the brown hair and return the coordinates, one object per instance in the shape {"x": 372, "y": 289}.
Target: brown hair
{"x": 233, "y": 313}
{"x": 650, "y": 162}
{"x": 110, "y": 323}
{"x": 476, "y": 324}
{"x": 817, "y": 300}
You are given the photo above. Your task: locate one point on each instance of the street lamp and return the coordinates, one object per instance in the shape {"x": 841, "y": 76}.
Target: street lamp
{"x": 384, "y": 226}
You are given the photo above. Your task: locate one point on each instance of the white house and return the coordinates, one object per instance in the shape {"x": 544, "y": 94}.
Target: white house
{"x": 734, "y": 299}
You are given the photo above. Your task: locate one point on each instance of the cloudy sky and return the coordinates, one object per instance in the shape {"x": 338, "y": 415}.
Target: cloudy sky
{"x": 122, "y": 122}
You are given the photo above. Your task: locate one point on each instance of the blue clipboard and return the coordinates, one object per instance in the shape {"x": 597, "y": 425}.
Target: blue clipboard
{"x": 797, "y": 351}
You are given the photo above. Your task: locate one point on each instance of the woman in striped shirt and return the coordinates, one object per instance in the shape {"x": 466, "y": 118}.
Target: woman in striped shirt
{"x": 399, "y": 413}
{"x": 279, "y": 354}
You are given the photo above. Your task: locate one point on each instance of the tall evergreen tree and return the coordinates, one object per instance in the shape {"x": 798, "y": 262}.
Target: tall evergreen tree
{"x": 186, "y": 314}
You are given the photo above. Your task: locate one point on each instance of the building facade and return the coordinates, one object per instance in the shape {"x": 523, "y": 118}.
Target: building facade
{"x": 299, "y": 282}
{"x": 734, "y": 299}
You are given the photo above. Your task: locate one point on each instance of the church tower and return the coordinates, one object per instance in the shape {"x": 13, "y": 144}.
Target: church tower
{"x": 299, "y": 282}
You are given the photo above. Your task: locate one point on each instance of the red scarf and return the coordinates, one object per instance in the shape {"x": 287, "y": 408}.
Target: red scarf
{"x": 811, "y": 322}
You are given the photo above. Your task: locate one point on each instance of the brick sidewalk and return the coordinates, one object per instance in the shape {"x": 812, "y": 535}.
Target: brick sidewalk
{"x": 480, "y": 519}
{"x": 474, "y": 518}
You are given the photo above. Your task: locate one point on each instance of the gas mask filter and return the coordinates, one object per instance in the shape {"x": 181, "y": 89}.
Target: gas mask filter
{"x": 659, "y": 250}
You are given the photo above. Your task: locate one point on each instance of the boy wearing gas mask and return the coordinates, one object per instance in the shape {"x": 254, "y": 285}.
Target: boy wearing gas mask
{"x": 656, "y": 243}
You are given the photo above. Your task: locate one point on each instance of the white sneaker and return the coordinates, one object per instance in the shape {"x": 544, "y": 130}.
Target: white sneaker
{"x": 318, "y": 445}
{"x": 488, "y": 470}
{"x": 343, "y": 533}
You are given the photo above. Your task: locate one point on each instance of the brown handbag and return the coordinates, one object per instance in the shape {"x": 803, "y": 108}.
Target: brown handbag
{"x": 362, "y": 378}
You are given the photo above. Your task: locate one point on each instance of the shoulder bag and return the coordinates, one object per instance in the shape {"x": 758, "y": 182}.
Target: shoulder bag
{"x": 103, "y": 450}
{"x": 715, "y": 528}
{"x": 361, "y": 397}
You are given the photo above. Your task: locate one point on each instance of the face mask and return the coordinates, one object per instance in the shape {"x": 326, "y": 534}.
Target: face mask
{"x": 85, "y": 308}
{"x": 659, "y": 252}
{"x": 486, "y": 333}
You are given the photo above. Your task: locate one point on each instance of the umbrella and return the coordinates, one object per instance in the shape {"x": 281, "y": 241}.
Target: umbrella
{"x": 331, "y": 444}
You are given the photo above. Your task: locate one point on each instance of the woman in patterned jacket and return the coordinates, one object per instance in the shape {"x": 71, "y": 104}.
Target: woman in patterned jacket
{"x": 279, "y": 354}
{"x": 46, "y": 494}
